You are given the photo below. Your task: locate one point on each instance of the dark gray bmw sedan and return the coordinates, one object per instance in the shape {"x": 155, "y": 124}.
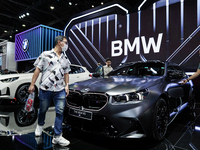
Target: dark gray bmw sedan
{"x": 135, "y": 100}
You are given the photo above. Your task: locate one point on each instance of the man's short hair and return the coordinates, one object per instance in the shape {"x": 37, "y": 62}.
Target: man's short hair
{"x": 108, "y": 59}
{"x": 59, "y": 38}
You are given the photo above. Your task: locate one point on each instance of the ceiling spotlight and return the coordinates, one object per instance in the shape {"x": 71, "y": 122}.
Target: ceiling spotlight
{"x": 16, "y": 30}
{"x": 101, "y": 3}
{"x": 76, "y": 4}
{"x": 27, "y": 14}
{"x": 70, "y": 3}
{"x": 92, "y": 5}
{"x": 11, "y": 37}
{"x": 5, "y": 31}
{"x": 23, "y": 25}
{"x": 24, "y": 15}
{"x": 52, "y": 7}
{"x": 19, "y": 17}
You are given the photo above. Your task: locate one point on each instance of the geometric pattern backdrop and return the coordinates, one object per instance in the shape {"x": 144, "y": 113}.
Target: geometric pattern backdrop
{"x": 164, "y": 31}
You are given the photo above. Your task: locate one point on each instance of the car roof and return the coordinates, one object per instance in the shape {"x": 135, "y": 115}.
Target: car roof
{"x": 135, "y": 62}
{"x": 76, "y": 65}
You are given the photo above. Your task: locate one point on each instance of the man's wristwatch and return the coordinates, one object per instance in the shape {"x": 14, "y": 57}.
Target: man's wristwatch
{"x": 66, "y": 84}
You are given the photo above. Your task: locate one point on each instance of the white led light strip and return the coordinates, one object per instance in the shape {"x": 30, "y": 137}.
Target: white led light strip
{"x": 93, "y": 12}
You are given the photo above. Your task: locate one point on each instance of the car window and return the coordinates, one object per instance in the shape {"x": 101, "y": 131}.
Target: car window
{"x": 177, "y": 71}
{"x": 141, "y": 69}
{"x": 31, "y": 71}
{"x": 76, "y": 69}
{"x": 121, "y": 71}
{"x": 73, "y": 70}
{"x": 170, "y": 68}
{"x": 147, "y": 69}
{"x": 80, "y": 70}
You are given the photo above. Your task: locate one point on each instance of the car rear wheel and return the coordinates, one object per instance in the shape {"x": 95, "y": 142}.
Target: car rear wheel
{"x": 24, "y": 118}
{"x": 160, "y": 120}
{"x": 22, "y": 93}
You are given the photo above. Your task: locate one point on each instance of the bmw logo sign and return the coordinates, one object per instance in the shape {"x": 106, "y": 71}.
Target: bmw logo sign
{"x": 25, "y": 45}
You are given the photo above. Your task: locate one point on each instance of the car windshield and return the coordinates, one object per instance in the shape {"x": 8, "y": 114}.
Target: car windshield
{"x": 31, "y": 71}
{"x": 141, "y": 69}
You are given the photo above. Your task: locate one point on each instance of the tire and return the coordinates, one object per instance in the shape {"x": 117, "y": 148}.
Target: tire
{"x": 160, "y": 120}
{"x": 24, "y": 118}
{"x": 22, "y": 93}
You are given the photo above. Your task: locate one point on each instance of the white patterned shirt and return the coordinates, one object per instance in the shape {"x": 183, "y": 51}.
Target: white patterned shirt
{"x": 107, "y": 69}
{"x": 53, "y": 70}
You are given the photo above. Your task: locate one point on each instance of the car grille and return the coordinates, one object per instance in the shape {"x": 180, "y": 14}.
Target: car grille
{"x": 90, "y": 101}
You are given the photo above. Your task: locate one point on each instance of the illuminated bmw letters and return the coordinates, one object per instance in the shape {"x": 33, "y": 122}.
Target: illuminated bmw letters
{"x": 116, "y": 46}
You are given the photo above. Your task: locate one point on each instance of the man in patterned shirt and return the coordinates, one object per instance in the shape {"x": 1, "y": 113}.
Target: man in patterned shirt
{"x": 54, "y": 85}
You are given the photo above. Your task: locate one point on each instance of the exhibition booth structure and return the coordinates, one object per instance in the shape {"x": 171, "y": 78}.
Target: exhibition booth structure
{"x": 7, "y": 56}
{"x": 164, "y": 30}
{"x": 31, "y": 43}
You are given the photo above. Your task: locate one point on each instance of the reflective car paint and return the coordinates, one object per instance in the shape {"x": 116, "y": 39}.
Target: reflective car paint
{"x": 132, "y": 118}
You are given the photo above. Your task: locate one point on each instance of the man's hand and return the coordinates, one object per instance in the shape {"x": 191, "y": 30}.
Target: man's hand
{"x": 31, "y": 89}
{"x": 36, "y": 73}
{"x": 184, "y": 81}
{"x": 67, "y": 90}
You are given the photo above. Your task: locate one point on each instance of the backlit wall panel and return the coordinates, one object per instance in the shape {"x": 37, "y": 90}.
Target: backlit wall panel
{"x": 167, "y": 30}
{"x": 31, "y": 43}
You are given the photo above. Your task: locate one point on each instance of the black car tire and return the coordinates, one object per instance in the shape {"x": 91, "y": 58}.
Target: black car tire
{"x": 24, "y": 118}
{"x": 160, "y": 119}
{"x": 22, "y": 93}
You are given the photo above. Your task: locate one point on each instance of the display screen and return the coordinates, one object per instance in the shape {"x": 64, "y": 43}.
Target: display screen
{"x": 164, "y": 31}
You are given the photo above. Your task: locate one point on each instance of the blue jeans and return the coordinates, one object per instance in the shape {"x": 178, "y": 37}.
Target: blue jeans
{"x": 59, "y": 99}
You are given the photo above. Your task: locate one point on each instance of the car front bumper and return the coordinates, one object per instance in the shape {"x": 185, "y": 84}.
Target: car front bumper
{"x": 117, "y": 125}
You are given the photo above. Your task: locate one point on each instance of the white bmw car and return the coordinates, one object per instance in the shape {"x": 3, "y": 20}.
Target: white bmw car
{"x": 15, "y": 86}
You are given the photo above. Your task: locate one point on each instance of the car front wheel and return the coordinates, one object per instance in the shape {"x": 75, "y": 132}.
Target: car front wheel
{"x": 160, "y": 120}
{"x": 22, "y": 93}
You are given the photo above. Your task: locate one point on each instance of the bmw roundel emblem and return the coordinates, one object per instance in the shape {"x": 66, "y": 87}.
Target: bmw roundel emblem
{"x": 25, "y": 45}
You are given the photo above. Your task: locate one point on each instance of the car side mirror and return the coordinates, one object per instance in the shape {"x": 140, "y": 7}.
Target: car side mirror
{"x": 176, "y": 92}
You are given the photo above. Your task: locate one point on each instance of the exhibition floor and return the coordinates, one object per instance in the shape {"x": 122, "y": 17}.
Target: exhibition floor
{"x": 182, "y": 134}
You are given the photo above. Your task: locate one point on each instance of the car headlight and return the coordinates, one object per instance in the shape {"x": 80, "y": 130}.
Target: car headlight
{"x": 9, "y": 79}
{"x": 134, "y": 96}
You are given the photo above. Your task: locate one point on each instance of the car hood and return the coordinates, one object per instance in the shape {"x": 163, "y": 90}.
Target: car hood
{"x": 116, "y": 84}
{"x": 6, "y": 76}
